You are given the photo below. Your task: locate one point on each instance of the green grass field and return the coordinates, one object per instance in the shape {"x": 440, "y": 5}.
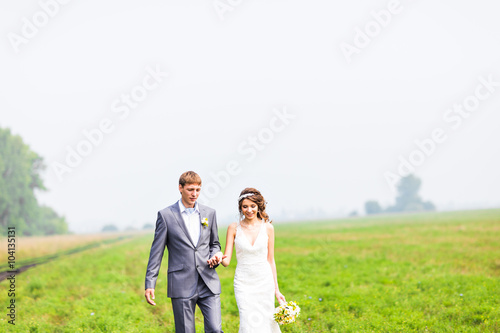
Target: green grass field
{"x": 433, "y": 272}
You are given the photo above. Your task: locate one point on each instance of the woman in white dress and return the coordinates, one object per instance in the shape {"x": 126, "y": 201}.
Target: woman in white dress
{"x": 255, "y": 279}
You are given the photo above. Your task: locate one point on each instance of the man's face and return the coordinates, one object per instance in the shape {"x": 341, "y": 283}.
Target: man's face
{"x": 189, "y": 194}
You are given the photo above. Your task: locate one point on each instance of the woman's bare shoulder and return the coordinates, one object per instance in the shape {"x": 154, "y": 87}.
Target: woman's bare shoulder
{"x": 269, "y": 226}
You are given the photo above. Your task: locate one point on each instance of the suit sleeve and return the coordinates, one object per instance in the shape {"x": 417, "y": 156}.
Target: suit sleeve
{"x": 214, "y": 237}
{"x": 156, "y": 254}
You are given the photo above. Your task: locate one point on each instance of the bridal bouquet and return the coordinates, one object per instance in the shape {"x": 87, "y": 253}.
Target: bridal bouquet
{"x": 286, "y": 313}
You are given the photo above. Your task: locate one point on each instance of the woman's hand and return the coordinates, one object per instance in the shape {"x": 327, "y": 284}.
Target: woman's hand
{"x": 279, "y": 296}
{"x": 215, "y": 260}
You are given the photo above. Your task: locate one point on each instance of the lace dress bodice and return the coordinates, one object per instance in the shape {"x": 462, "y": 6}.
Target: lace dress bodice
{"x": 248, "y": 254}
{"x": 254, "y": 283}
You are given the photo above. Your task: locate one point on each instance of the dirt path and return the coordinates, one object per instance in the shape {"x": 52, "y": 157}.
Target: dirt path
{"x": 5, "y": 272}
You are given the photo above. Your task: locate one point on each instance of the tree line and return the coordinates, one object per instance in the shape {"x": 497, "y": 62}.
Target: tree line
{"x": 20, "y": 170}
{"x": 407, "y": 199}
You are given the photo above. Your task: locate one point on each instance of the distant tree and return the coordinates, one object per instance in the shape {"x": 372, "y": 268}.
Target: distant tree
{"x": 353, "y": 213}
{"x": 408, "y": 199}
{"x": 52, "y": 223}
{"x": 20, "y": 177}
{"x": 372, "y": 207}
{"x": 109, "y": 228}
{"x": 429, "y": 205}
{"x": 47, "y": 223}
{"x": 147, "y": 226}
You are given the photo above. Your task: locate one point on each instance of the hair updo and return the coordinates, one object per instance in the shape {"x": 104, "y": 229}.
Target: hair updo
{"x": 258, "y": 199}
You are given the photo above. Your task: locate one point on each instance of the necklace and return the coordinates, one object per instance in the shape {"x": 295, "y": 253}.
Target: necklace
{"x": 249, "y": 226}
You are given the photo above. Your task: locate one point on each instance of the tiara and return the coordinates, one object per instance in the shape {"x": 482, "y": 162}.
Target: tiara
{"x": 245, "y": 196}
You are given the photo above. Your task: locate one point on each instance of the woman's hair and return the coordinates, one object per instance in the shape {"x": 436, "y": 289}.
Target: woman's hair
{"x": 254, "y": 196}
{"x": 189, "y": 177}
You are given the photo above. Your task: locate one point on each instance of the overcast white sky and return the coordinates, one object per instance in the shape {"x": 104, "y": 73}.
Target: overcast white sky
{"x": 354, "y": 88}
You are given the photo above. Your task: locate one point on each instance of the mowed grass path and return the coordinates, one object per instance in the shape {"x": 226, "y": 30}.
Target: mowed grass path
{"x": 40, "y": 246}
{"x": 434, "y": 272}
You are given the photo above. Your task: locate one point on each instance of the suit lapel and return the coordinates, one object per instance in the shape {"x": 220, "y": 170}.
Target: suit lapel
{"x": 202, "y": 228}
{"x": 177, "y": 215}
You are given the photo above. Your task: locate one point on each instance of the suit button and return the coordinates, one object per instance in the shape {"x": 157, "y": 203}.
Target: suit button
{"x": 197, "y": 266}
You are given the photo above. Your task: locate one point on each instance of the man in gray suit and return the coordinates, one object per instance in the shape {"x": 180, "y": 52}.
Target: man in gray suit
{"x": 189, "y": 231}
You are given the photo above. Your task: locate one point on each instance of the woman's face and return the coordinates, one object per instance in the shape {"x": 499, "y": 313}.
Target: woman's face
{"x": 249, "y": 208}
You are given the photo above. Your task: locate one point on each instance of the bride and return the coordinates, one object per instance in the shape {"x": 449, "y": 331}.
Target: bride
{"x": 255, "y": 279}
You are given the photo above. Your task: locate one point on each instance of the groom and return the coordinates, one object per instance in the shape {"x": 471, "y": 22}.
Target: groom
{"x": 189, "y": 231}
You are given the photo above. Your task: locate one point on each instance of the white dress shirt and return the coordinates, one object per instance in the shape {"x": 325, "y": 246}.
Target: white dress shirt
{"x": 191, "y": 217}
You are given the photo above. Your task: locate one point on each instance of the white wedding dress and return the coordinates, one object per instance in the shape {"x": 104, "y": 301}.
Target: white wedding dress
{"x": 254, "y": 284}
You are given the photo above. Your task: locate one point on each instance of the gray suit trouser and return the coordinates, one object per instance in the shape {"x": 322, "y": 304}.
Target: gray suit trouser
{"x": 209, "y": 305}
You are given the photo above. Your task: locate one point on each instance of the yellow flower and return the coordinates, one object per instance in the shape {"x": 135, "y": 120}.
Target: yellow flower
{"x": 286, "y": 313}
{"x": 204, "y": 222}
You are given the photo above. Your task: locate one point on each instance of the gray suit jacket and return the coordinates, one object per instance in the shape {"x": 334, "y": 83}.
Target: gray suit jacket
{"x": 185, "y": 261}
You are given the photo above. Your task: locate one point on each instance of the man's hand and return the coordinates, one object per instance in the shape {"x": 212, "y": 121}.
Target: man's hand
{"x": 150, "y": 296}
{"x": 216, "y": 259}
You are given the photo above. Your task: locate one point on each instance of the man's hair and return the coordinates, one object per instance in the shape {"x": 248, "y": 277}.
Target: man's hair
{"x": 189, "y": 177}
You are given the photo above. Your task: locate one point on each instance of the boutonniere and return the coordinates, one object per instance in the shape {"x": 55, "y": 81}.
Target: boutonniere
{"x": 204, "y": 222}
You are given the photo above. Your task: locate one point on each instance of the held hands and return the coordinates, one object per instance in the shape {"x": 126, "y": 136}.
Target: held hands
{"x": 279, "y": 296}
{"x": 150, "y": 296}
{"x": 215, "y": 260}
